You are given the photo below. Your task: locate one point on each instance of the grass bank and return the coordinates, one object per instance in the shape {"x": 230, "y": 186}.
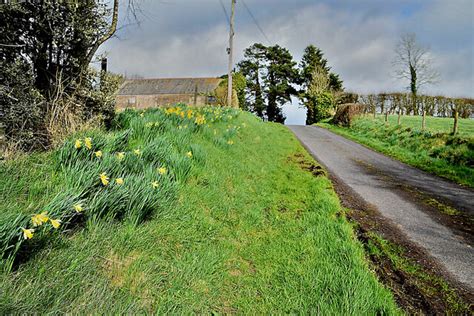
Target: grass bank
{"x": 440, "y": 153}
{"x": 433, "y": 124}
{"x": 243, "y": 225}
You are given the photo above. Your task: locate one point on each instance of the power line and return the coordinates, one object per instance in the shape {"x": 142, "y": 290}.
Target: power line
{"x": 225, "y": 11}
{"x": 256, "y": 22}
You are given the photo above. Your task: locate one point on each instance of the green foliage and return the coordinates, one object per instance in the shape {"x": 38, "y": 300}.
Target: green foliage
{"x": 319, "y": 107}
{"x": 239, "y": 84}
{"x": 321, "y": 87}
{"x": 44, "y": 60}
{"x": 271, "y": 74}
{"x": 264, "y": 237}
{"x": 438, "y": 152}
{"x": 88, "y": 165}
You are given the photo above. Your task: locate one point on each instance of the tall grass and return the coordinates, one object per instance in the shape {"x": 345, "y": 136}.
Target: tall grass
{"x": 449, "y": 156}
{"x": 249, "y": 231}
{"x": 112, "y": 175}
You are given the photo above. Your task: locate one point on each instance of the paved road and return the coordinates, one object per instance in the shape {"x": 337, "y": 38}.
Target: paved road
{"x": 377, "y": 179}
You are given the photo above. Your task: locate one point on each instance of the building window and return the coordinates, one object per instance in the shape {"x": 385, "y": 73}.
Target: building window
{"x": 132, "y": 100}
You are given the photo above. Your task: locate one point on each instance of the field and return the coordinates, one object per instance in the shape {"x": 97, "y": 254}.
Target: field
{"x": 433, "y": 150}
{"x": 217, "y": 212}
{"x": 433, "y": 124}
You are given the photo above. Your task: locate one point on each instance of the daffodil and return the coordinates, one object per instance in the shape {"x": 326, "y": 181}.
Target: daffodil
{"x": 88, "y": 142}
{"x": 189, "y": 154}
{"x": 137, "y": 152}
{"x": 154, "y": 184}
{"x": 78, "y": 208}
{"x": 78, "y": 144}
{"x": 141, "y": 114}
{"x": 104, "y": 179}
{"x": 56, "y": 223}
{"x": 120, "y": 155}
{"x": 27, "y": 233}
{"x": 39, "y": 219}
{"x": 162, "y": 170}
{"x": 98, "y": 154}
{"x": 230, "y": 142}
{"x": 119, "y": 181}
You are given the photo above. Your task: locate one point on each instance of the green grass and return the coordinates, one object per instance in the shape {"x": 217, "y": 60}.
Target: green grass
{"x": 445, "y": 155}
{"x": 433, "y": 124}
{"x": 247, "y": 231}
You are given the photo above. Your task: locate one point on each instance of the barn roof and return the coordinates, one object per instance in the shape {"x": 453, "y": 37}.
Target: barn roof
{"x": 168, "y": 86}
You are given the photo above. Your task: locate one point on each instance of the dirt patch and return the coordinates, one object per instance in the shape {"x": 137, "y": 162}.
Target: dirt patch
{"x": 419, "y": 284}
{"x": 307, "y": 165}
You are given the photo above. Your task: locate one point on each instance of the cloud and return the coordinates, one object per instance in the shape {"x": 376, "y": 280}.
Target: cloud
{"x": 184, "y": 38}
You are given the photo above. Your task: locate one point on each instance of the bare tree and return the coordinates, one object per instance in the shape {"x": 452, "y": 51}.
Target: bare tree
{"x": 413, "y": 62}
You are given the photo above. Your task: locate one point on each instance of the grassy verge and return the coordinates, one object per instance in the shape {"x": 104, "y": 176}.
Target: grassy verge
{"x": 249, "y": 229}
{"x": 442, "y": 154}
{"x": 433, "y": 124}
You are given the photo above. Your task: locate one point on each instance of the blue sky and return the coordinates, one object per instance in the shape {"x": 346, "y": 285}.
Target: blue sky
{"x": 186, "y": 38}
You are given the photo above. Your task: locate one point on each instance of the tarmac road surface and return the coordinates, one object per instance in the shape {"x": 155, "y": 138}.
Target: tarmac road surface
{"x": 378, "y": 180}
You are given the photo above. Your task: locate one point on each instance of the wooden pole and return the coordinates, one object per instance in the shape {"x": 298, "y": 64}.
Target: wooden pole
{"x": 456, "y": 118}
{"x": 230, "y": 52}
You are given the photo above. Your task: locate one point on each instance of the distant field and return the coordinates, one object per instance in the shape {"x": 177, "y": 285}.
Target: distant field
{"x": 433, "y": 124}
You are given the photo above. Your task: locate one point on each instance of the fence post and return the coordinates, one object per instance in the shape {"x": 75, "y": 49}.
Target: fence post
{"x": 423, "y": 120}
{"x": 399, "y": 115}
{"x": 386, "y": 116}
{"x": 455, "y": 126}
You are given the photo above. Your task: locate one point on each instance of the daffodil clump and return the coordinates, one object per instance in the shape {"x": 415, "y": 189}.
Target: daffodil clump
{"x": 128, "y": 173}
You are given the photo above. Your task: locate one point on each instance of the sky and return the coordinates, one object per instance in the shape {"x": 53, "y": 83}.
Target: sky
{"x": 188, "y": 38}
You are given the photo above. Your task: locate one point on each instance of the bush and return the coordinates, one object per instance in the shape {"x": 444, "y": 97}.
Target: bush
{"x": 346, "y": 113}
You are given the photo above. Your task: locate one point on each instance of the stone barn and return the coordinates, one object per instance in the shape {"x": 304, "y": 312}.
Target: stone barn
{"x": 145, "y": 93}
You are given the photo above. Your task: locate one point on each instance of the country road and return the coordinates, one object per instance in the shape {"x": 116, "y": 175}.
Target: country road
{"x": 394, "y": 189}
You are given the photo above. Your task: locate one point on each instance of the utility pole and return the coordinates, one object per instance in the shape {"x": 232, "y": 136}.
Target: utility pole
{"x": 230, "y": 52}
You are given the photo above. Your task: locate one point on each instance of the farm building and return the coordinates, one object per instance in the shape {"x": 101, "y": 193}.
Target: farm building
{"x": 145, "y": 93}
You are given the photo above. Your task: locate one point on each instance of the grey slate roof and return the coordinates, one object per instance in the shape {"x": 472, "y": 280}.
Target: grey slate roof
{"x": 168, "y": 86}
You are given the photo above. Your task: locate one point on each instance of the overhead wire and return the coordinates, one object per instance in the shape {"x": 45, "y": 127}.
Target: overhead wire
{"x": 256, "y": 22}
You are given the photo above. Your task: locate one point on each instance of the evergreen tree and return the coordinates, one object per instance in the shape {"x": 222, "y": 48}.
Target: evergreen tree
{"x": 251, "y": 67}
{"x": 319, "y": 85}
{"x": 280, "y": 77}
{"x": 270, "y": 73}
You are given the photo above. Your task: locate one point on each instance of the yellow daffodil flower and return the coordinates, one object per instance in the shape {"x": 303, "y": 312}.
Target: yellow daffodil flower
{"x": 88, "y": 142}
{"x": 189, "y": 154}
{"x": 141, "y": 114}
{"x": 230, "y": 142}
{"x": 104, "y": 179}
{"x": 78, "y": 208}
{"x": 56, "y": 223}
{"x": 28, "y": 233}
{"x": 137, "y": 152}
{"x": 119, "y": 181}
{"x": 154, "y": 184}
{"x": 39, "y": 219}
{"x": 162, "y": 170}
{"x": 120, "y": 155}
{"x": 98, "y": 154}
{"x": 78, "y": 144}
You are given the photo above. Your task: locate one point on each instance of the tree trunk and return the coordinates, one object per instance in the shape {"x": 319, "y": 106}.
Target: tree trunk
{"x": 386, "y": 116}
{"x": 399, "y": 116}
{"x": 109, "y": 34}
